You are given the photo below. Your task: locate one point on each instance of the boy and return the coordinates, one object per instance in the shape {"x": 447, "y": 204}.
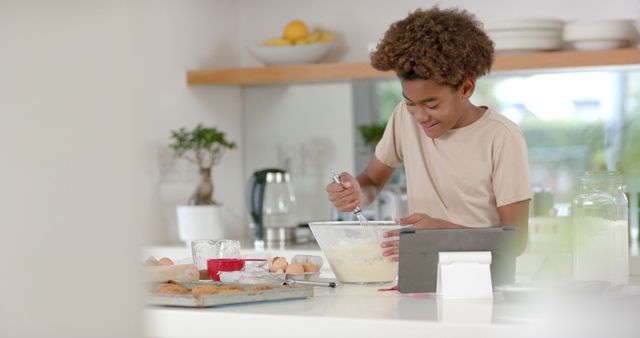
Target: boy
{"x": 465, "y": 165}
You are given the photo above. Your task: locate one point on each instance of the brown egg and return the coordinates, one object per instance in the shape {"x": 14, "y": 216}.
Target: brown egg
{"x": 278, "y": 264}
{"x": 295, "y": 268}
{"x": 310, "y": 267}
{"x": 165, "y": 261}
{"x": 151, "y": 261}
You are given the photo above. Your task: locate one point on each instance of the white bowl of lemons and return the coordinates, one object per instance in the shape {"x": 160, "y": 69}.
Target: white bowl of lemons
{"x": 296, "y": 46}
{"x": 287, "y": 55}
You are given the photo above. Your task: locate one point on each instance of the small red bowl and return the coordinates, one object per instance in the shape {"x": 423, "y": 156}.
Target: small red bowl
{"x": 223, "y": 264}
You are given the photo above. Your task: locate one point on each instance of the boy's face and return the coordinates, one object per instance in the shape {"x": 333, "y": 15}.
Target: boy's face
{"x": 435, "y": 107}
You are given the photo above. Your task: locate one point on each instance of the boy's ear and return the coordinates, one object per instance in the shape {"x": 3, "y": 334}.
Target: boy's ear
{"x": 467, "y": 88}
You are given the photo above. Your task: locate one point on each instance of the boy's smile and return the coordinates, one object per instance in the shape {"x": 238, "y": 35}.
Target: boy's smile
{"x": 438, "y": 108}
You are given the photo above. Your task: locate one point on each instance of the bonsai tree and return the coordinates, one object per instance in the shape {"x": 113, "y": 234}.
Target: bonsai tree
{"x": 204, "y": 147}
{"x": 372, "y": 133}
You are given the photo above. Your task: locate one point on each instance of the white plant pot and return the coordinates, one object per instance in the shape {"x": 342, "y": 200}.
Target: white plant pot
{"x": 200, "y": 222}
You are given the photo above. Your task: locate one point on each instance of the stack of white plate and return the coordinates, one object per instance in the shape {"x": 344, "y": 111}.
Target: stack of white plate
{"x": 525, "y": 35}
{"x": 603, "y": 34}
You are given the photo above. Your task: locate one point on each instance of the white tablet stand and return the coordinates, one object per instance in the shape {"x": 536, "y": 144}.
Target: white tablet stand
{"x": 464, "y": 275}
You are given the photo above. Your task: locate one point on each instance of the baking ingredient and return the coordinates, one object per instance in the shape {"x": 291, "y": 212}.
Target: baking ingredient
{"x": 310, "y": 267}
{"x": 178, "y": 273}
{"x": 230, "y": 276}
{"x": 218, "y": 265}
{"x": 165, "y": 261}
{"x": 294, "y": 268}
{"x": 204, "y": 274}
{"x": 318, "y": 35}
{"x": 601, "y": 250}
{"x": 295, "y": 30}
{"x": 311, "y": 38}
{"x": 278, "y": 264}
{"x": 325, "y": 36}
{"x": 151, "y": 261}
{"x": 260, "y": 287}
{"x": 205, "y": 290}
{"x": 361, "y": 263}
{"x": 298, "y": 33}
{"x": 231, "y": 288}
{"x": 276, "y": 42}
{"x": 171, "y": 289}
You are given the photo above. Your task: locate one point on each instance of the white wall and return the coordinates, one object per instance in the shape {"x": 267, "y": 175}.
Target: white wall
{"x": 176, "y": 36}
{"x": 358, "y": 23}
{"x": 88, "y": 94}
{"x": 305, "y": 129}
{"x": 73, "y": 189}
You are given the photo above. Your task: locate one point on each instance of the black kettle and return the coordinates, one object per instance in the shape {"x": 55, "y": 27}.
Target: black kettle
{"x": 255, "y": 198}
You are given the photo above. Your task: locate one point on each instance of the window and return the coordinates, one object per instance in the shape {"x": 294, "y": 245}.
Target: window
{"x": 572, "y": 121}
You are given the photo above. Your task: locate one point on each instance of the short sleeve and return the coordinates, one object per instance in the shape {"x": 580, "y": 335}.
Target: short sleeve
{"x": 389, "y": 149}
{"x": 510, "y": 167}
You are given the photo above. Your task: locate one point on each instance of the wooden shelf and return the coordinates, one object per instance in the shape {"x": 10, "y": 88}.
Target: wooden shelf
{"x": 326, "y": 72}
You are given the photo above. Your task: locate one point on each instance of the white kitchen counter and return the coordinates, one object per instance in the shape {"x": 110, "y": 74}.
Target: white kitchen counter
{"x": 356, "y": 311}
{"x": 344, "y": 311}
{"x": 363, "y": 311}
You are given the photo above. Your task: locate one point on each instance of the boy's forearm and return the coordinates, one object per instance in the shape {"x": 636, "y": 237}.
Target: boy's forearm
{"x": 368, "y": 190}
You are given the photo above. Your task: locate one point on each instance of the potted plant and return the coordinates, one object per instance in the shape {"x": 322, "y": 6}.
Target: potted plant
{"x": 372, "y": 133}
{"x": 203, "y": 146}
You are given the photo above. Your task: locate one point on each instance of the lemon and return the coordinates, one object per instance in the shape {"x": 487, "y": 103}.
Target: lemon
{"x": 326, "y": 36}
{"x": 295, "y": 30}
{"x": 314, "y": 36}
{"x": 276, "y": 42}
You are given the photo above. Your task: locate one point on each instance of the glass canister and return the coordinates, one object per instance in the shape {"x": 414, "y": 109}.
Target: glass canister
{"x": 600, "y": 229}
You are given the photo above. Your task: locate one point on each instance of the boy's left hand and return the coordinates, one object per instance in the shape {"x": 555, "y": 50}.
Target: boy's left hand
{"x": 418, "y": 221}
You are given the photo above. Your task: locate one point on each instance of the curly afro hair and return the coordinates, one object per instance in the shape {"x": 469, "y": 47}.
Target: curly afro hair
{"x": 447, "y": 46}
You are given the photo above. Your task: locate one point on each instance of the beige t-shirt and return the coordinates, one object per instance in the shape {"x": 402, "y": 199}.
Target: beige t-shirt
{"x": 464, "y": 175}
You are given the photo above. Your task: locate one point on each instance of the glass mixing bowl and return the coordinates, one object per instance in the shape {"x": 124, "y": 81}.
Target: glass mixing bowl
{"x": 353, "y": 251}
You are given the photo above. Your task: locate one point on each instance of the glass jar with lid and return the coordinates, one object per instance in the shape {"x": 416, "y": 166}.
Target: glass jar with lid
{"x": 600, "y": 229}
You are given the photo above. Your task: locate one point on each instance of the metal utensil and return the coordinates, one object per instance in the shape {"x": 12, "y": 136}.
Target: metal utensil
{"x": 308, "y": 282}
{"x": 357, "y": 211}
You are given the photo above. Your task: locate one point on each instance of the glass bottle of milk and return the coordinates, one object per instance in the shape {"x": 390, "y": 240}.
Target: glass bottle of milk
{"x": 600, "y": 229}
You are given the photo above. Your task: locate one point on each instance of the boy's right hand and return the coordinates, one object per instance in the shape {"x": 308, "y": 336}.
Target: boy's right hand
{"x": 346, "y": 196}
